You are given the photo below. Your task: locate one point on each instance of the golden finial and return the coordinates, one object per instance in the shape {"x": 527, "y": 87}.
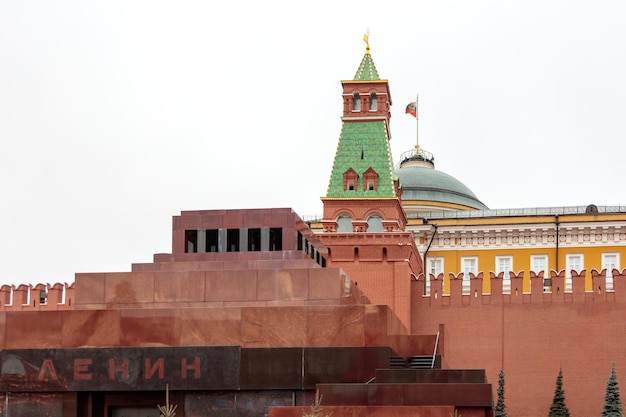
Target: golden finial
{"x": 366, "y": 38}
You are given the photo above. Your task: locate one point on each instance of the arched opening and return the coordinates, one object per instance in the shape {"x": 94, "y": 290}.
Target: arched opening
{"x": 356, "y": 102}
{"x": 375, "y": 223}
{"x": 344, "y": 224}
{"x": 373, "y": 102}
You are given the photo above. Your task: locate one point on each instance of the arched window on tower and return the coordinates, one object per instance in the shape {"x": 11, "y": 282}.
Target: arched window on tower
{"x": 356, "y": 102}
{"x": 344, "y": 224}
{"x": 375, "y": 224}
{"x": 373, "y": 102}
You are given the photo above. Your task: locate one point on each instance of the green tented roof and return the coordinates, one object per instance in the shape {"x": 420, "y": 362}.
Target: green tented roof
{"x": 363, "y": 145}
{"x": 367, "y": 70}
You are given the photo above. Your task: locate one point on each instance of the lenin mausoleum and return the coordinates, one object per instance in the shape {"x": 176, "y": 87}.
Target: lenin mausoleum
{"x": 406, "y": 297}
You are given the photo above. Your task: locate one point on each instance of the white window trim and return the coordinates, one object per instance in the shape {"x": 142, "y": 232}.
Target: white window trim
{"x": 436, "y": 274}
{"x": 466, "y": 274}
{"x": 506, "y": 278}
{"x": 545, "y": 261}
{"x": 546, "y": 273}
{"x": 609, "y": 271}
{"x": 568, "y": 268}
{"x": 435, "y": 258}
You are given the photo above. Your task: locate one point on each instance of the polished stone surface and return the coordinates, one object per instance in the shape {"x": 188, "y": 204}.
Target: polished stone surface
{"x": 459, "y": 394}
{"x": 182, "y": 286}
{"x": 343, "y": 364}
{"x": 274, "y": 368}
{"x": 90, "y": 289}
{"x": 368, "y": 411}
{"x": 335, "y": 326}
{"x": 274, "y": 326}
{"x": 231, "y": 285}
{"x": 248, "y": 324}
{"x": 442, "y": 376}
{"x": 283, "y": 284}
{"x": 150, "y": 327}
{"x": 192, "y": 284}
{"x": 33, "y": 328}
{"x": 129, "y": 287}
{"x": 90, "y": 328}
{"x": 210, "y": 326}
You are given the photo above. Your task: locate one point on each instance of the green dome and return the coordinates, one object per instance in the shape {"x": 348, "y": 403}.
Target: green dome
{"x": 421, "y": 181}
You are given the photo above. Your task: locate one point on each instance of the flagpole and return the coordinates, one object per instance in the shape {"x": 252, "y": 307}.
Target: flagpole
{"x": 417, "y": 141}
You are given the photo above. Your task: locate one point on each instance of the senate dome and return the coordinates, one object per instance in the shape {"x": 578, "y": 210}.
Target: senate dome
{"x": 426, "y": 189}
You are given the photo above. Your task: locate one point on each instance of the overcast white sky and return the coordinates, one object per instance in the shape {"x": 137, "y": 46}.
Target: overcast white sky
{"x": 116, "y": 115}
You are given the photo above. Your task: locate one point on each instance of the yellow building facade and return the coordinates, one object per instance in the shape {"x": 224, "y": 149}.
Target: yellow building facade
{"x": 534, "y": 240}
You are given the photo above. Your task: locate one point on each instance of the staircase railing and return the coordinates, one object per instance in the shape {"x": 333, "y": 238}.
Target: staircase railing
{"x": 432, "y": 365}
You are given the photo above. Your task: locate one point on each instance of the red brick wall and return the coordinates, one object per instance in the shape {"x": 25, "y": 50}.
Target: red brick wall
{"x": 382, "y": 265}
{"x": 530, "y": 337}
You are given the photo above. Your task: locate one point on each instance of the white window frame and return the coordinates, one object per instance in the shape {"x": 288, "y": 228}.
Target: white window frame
{"x": 504, "y": 263}
{"x": 573, "y": 262}
{"x": 544, "y": 259}
{"x": 435, "y": 267}
{"x": 609, "y": 266}
{"x": 466, "y": 268}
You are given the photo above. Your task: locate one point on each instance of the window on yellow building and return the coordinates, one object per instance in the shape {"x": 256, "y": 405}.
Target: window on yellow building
{"x": 610, "y": 261}
{"x": 469, "y": 265}
{"x": 435, "y": 267}
{"x": 504, "y": 264}
{"x": 538, "y": 264}
{"x": 573, "y": 262}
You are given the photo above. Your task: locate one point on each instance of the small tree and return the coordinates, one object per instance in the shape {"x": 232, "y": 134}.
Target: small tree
{"x": 500, "y": 407}
{"x": 316, "y": 408}
{"x": 612, "y": 401}
{"x": 167, "y": 410}
{"x": 558, "y": 407}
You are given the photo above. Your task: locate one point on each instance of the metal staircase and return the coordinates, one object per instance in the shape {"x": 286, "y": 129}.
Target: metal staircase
{"x": 398, "y": 362}
{"x": 420, "y": 362}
